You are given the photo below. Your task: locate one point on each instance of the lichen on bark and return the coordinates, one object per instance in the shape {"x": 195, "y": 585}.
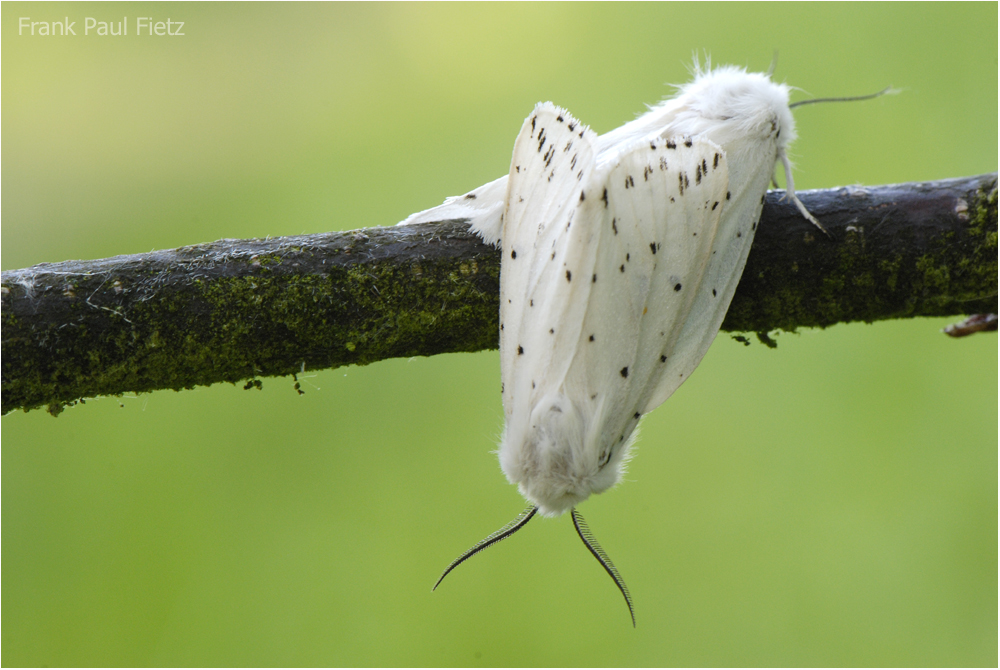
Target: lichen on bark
{"x": 240, "y": 310}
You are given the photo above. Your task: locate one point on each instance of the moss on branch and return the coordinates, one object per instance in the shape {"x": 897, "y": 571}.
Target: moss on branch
{"x": 238, "y": 310}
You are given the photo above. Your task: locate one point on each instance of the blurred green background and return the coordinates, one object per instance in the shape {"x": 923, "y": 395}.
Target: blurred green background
{"x": 831, "y": 502}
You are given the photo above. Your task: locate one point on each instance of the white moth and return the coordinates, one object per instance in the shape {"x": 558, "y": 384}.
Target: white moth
{"x": 620, "y": 256}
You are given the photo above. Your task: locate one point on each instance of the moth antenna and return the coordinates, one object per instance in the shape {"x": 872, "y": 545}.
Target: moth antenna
{"x": 774, "y": 64}
{"x": 790, "y": 191}
{"x": 888, "y": 90}
{"x": 505, "y": 532}
{"x": 588, "y": 539}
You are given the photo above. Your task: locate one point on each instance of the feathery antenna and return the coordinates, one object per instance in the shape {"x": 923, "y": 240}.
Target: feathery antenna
{"x": 505, "y": 532}
{"x": 588, "y": 539}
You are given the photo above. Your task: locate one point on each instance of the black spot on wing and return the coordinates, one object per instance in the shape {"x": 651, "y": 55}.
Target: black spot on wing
{"x": 663, "y": 358}
{"x": 520, "y": 350}
{"x": 715, "y": 161}
{"x": 671, "y": 144}
{"x": 513, "y": 254}
{"x": 688, "y": 142}
{"x": 470, "y": 196}
{"x": 604, "y": 197}
{"x": 605, "y": 457}
{"x": 569, "y": 276}
{"x": 728, "y": 195}
{"x": 624, "y": 372}
{"x": 677, "y": 286}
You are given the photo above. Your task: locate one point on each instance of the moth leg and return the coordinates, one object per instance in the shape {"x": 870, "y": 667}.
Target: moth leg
{"x": 790, "y": 194}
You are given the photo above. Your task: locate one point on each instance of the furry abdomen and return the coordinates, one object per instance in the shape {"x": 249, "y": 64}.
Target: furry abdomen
{"x": 554, "y": 459}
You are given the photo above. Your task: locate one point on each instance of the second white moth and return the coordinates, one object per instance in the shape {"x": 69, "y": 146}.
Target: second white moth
{"x": 620, "y": 256}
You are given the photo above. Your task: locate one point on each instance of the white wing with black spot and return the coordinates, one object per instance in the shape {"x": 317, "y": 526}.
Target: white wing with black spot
{"x": 659, "y": 211}
{"x": 602, "y": 264}
{"x": 481, "y": 207}
{"x": 553, "y": 159}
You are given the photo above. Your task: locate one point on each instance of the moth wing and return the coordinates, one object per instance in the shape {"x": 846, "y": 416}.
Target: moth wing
{"x": 726, "y": 256}
{"x": 658, "y": 209}
{"x": 539, "y": 296}
{"x": 481, "y": 207}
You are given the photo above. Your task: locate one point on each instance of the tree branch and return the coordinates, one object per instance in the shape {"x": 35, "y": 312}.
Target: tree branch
{"x": 237, "y": 310}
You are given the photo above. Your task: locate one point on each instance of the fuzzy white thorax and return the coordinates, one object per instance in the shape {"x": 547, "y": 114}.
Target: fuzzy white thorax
{"x": 727, "y": 105}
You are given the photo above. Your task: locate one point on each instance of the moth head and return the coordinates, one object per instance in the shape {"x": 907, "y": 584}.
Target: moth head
{"x": 729, "y": 103}
{"x": 558, "y": 459}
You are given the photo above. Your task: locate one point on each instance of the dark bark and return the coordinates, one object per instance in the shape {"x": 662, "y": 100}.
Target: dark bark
{"x": 237, "y": 310}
